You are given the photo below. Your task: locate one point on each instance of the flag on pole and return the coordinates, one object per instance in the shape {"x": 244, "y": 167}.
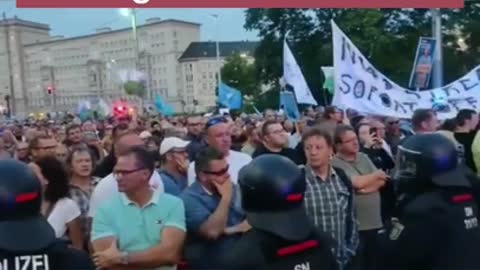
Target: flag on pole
{"x": 163, "y": 107}
{"x": 329, "y": 82}
{"x": 84, "y": 110}
{"x": 229, "y": 97}
{"x": 293, "y": 76}
{"x": 289, "y": 106}
{"x": 103, "y": 108}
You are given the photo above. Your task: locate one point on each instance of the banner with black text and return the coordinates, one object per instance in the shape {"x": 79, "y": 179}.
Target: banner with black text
{"x": 360, "y": 86}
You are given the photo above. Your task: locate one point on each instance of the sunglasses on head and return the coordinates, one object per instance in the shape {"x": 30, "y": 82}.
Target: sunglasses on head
{"x": 215, "y": 121}
{"x": 218, "y": 173}
{"x": 393, "y": 122}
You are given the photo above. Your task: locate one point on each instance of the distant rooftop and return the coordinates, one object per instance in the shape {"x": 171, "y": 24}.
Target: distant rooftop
{"x": 228, "y": 48}
{"x": 147, "y": 24}
{"x": 19, "y": 22}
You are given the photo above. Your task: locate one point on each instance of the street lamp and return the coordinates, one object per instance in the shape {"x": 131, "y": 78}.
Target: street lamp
{"x": 216, "y": 17}
{"x": 130, "y": 12}
{"x": 438, "y": 54}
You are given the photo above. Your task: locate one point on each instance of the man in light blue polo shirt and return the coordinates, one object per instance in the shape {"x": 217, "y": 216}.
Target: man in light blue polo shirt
{"x": 140, "y": 228}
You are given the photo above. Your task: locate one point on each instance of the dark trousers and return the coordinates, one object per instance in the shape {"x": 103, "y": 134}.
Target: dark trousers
{"x": 368, "y": 256}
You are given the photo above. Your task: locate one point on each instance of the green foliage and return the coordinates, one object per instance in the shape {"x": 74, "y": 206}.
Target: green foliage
{"x": 387, "y": 37}
{"x": 135, "y": 88}
{"x": 239, "y": 72}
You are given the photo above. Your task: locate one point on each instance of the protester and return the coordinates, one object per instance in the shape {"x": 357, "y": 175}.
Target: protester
{"x": 329, "y": 196}
{"x": 366, "y": 180}
{"x": 274, "y": 139}
{"x": 215, "y": 219}
{"x": 137, "y": 210}
{"x": 465, "y": 132}
{"x": 424, "y": 121}
{"x": 80, "y": 165}
{"x": 22, "y": 152}
{"x": 107, "y": 187}
{"x": 219, "y": 137}
{"x": 174, "y": 155}
{"x": 61, "y": 211}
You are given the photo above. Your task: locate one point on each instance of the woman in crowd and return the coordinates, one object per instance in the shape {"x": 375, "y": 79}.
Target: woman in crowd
{"x": 82, "y": 182}
{"x": 62, "y": 213}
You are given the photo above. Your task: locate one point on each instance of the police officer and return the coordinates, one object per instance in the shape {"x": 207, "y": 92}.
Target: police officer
{"x": 282, "y": 237}
{"x": 27, "y": 241}
{"x": 437, "y": 214}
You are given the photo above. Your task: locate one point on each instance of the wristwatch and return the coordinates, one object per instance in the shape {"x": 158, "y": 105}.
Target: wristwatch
{"x": 124, "y": 258}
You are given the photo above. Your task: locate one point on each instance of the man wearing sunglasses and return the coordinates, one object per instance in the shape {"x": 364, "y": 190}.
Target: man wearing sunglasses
{"x": 219, "y": 137}
{"x": 214, "y": 217}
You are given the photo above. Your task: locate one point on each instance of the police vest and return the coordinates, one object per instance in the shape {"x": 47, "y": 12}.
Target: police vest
{"x": 310, "y": 254}
{"x": 55, "y": 257}
{"x": 25, "y": 261}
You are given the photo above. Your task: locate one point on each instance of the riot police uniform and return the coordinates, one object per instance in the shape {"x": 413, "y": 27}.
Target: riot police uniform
{"x": 282, "y": 236}
{"x": 27, "y": 241}
{"x": 437, "y": 214}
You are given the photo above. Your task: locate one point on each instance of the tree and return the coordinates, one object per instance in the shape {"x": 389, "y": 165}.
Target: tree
{"x": 135, "y": 88}
{"x": 239, "y": 72}
{"x": 387, "y": 37}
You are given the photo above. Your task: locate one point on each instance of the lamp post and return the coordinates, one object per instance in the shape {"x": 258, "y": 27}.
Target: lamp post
{"x": 217, "y": 44}
{"x": 437, "y": 80}
{"x": 131, "y": 13}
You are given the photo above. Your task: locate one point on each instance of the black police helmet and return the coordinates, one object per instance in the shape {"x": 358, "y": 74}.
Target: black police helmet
{"x": 272, "y": 189}
{"x": 22, "y": 227}
{"x": 425, "y": 160}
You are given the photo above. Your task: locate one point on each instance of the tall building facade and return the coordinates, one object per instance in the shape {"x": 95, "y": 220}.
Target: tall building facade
{"x": 14, "y": 35}
{"x": 55, "y": 73}
{"x": 200, "y": 67}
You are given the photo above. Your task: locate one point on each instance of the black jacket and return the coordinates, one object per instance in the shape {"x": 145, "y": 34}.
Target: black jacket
{"x": 258, "y": 250}
{"x": 437, "y": 230}
{"x": 286, "y": 152}
{"x": 57, "y": 256}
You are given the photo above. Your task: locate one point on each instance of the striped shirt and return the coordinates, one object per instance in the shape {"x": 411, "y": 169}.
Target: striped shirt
{"x": 329, "y": 204}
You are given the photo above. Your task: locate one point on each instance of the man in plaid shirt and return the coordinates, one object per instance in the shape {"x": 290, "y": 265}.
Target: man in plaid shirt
{"x": 329, "y": 196}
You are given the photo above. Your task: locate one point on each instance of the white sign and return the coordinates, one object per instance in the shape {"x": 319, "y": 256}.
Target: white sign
{"x": 360, "y": 86}
{"x": 293, "y": 76}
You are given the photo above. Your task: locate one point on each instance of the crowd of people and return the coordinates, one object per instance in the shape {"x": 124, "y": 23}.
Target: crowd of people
{"x": 161, "y": 192}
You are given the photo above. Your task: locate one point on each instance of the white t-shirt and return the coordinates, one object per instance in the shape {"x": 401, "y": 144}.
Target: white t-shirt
{"x": 107, "y": 188}
{"x": 64, "y": 211}
{"x": 236, "y": 161}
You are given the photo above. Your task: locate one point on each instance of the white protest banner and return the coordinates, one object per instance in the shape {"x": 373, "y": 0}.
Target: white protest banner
{"x": 360, "y": 86}
{"x": 293, "y": 76}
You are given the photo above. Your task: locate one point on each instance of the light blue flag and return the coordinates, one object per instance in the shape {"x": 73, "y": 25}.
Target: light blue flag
{"x": 84, "y": 109}
{"x": 163, "y": 107}
{"x": 289, "y": 106}
{"x": 229, "y": 97}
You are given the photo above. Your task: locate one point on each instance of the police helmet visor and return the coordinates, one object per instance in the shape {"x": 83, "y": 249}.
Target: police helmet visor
{"x": 443, "y": 170}
{"x": 293, "y": 225}
{"x": 27, "y": 234}
{"x": 407, "y": 163}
